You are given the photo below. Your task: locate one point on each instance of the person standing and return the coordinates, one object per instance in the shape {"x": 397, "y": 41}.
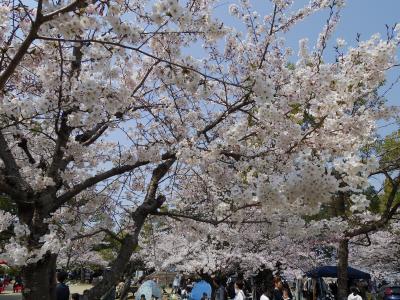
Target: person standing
{"x": 75, "y": 296}
{"x": 264, "y": 294}
{"x": 278, "y": 286}
{"x": 62, "y": 290}
{"x": 220, "y": 290}
{"x": 355, "y": 294}
{"x": 286, "y": 294}
{"x": 239, "y": 294}
{"x": 177, "y": 282}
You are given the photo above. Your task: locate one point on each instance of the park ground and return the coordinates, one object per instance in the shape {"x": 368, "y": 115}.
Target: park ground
{"x": 74, "y": 288}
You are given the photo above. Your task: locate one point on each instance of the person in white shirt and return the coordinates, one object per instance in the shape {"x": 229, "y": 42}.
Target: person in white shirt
{"x": 264, "y": 294}
{"x": 177, "y": 282}
{"x": 354, "y": 295}
{"x": 239, "y": 294}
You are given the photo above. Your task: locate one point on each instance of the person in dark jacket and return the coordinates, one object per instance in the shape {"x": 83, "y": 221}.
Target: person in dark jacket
{"x": 62, "y": 290}
{"x": 278, "y": 287}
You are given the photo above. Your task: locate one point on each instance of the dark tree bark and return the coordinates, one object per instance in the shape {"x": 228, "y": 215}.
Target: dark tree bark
{"x": 343, "y": 261}
{"x": 127, "y": 284}
{"x": 150, "y": 204}
{"x": 82, "y": 275}
{"x": 40, "y": 279}
{"x": 117, "y": 269}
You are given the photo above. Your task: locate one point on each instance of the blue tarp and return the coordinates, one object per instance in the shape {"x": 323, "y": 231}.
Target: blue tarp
{"x": 199, "y": 288}
{"x": 149, "y": 289}
{"x": 331, "y": 271}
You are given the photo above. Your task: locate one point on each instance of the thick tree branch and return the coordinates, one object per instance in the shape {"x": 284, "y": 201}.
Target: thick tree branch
{"x": 271, "y": 31}
{"x": 10, "y": 190}
{"x": 234, "y": 108}
{"x": 57, "y": 158}
{"x": 11, "y": 172}
{"x": 23, "y": 144}
{"x": 89, "y": 136}
{"x": 105, "y": 230}
{"x": 22, "y": 50}
{"x": 75, "y": 190}
{"x": 70, "y": 7}
{"x": 19, "y": 55}
{"x": 390, "y": 211}
{"x": 214, "y": 221}
{"x": 130, "y": 242}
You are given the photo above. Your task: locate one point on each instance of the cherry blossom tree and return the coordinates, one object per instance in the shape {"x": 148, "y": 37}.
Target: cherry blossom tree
{"x": 103, "y": 113}
{"x": 380, "y": 254}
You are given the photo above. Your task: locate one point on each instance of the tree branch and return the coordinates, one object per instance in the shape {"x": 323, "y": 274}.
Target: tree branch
{"x": 75, "y": 190}
{"x": 130, "y": 241}
{"x": 105, "y": 230}
{"x": 70, "y": 7}
{"x": 32, "y": 35}
{"x": 215, "y": 221}
{"x": 116, "y": 44}
{"x": 12, "y": 175}
{"x": 390, "y": 211}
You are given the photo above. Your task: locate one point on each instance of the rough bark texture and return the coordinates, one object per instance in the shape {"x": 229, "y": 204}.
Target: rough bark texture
{"x": 342, "y": 269}
{"x": 109, "y": 279}
{"x": 40, "y": 279}
{"x": 150, "y": 204}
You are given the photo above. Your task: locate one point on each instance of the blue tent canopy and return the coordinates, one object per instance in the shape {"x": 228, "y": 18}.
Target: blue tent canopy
{"x": 331, "y": 271}
{"x": 199, "y": 288}
{"x": 149, "y": 289}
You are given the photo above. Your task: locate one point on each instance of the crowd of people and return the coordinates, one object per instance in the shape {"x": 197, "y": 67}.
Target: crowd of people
{"x": 234, "y": 288}
{"x": 62, "y": 289}
{"x": 239, "y": 290}
{"x": 16, "y": 281}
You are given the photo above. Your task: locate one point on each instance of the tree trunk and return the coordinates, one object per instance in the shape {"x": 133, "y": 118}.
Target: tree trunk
{"x": 343, "y": 262}
{"x": 127, "y": 284}
{"x": 150, "y": 204}
{"x": 117, "y": 269}
{"x": 40, "y": 279}
{"x": 82, "y": 275}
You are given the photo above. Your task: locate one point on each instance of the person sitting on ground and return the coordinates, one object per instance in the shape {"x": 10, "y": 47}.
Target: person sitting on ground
{"x": 355, "y": 294}
{"x": 62, "y": 290}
